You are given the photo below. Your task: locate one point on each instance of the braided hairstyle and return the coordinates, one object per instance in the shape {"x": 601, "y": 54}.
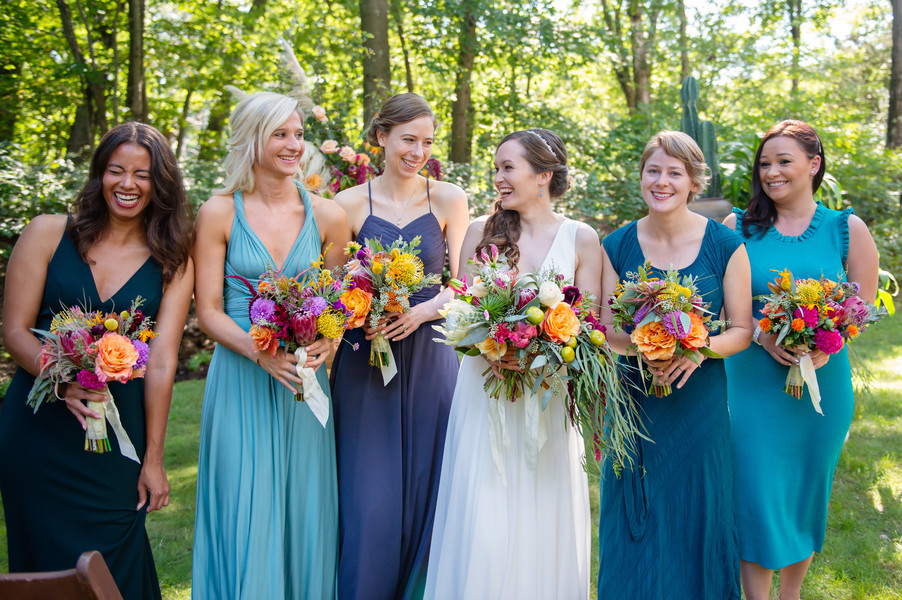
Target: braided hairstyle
{"x": 544, "y": 151}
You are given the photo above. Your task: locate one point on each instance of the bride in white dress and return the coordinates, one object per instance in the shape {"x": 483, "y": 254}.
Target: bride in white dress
{"x": 516, "y": 524}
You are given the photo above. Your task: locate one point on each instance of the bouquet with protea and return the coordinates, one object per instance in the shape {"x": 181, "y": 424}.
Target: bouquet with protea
{"x": 292, "y": 313}
{"x": 815, "y": 314}
{"x": 94, "y": 349}
{"x": 664, "y": 317}
{"x": 551, "y": 329}
{"x": 379, "y": 280}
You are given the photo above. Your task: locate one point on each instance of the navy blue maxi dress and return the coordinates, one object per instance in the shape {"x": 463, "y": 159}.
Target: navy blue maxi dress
{"x": 669, "y": 531}
{"x": 390, "y": 440}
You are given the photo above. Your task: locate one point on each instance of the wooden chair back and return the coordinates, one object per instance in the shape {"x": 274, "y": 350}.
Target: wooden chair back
{"x": 89, "y": 580}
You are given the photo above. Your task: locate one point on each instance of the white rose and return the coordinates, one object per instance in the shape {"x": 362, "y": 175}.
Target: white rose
{"x": 329, "y": 147}
{"x": 319, "y": 113}
{"x": 347, "y": 153}
{"x": 550, "y": 294}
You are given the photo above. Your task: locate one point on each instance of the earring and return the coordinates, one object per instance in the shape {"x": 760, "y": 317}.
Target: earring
{"x": 540, "y": 191}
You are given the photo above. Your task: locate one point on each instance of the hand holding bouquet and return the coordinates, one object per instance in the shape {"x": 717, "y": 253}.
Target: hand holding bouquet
{"x": 665, "y": 318}
{"x": 557, "y": 340}
{"x": 294, "y": 312}
{"x": 814, "y": 314}
{"x": 379, "y": 280}
{"x": 93, "y": 349}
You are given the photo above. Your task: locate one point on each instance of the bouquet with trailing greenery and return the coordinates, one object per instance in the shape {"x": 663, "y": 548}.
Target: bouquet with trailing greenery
{"x": 94, "y": 349}
{"x": 664, "y": 317}
{"x": 815, "y": 314}
{"x": 550, "y": 328}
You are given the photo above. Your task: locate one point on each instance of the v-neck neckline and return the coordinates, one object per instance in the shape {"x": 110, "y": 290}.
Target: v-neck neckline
{"x": 122, "y": 287}
{"x": 551, "y": 246}
{"x": 308, "y": 213}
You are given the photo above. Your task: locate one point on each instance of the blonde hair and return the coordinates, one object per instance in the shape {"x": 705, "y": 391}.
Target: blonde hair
{"x": 252, "y": 122}
{"x": 682, "y": 147}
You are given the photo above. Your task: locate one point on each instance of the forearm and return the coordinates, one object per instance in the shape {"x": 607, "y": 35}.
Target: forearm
{"x": 223, "y": 330}
{"x": 734, "y": 340}
{"x": 158, "y": 384}
{"x": 24, "y": 348}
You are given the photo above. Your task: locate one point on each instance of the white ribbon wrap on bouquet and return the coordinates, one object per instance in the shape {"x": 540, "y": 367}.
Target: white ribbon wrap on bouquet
{"x": 96, "y": 428}
{"x": 390, "y": 369}
{"x": 806, "y": 366}
{"x": 314, "y": 396}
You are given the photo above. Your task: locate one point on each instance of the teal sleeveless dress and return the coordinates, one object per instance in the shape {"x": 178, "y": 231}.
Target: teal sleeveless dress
{"x": 267, "y": 496}
{"x": 784, "y": 453}
{"x": 669, "y": 532}
{"x": 59, "y": 500}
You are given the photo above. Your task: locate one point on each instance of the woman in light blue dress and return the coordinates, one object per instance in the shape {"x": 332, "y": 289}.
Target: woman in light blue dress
{"x": 267, "y": 498}
{"x": 785, "y": 453}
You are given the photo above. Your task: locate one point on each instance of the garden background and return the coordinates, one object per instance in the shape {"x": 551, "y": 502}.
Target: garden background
{"x": 604, "y": 74}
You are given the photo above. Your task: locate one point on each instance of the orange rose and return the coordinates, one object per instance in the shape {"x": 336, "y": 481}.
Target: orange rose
{"x": 492, "y": 349}
{"x": 358, "y": 302}
{"x": 116, "y": 357}
{"x": 654, "y": 341}
{"x": 313, "y": 182}
{"x": 560, "y": 323}
{"x": 698, "y": 333}
{"x": 264, "y": 339}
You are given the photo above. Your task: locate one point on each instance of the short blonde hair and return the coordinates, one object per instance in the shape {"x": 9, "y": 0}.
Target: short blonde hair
{"x": 682, "y": 147}
{"x": 251, "y": 123}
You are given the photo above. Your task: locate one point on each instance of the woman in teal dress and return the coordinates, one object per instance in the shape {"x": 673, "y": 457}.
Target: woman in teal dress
{"x": 267, "y": 501}
{"x": 130, "y": 236}
{"x": 666, "y": 527}
{"x": 784, "y": 453}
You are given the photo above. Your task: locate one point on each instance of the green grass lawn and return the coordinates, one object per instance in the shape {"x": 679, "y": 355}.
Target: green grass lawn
{"x": 862, "y": 557}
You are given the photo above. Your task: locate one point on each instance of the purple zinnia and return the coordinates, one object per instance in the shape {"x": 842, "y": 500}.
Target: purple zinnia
{"x": 315, "y": 305}
{"x": 143, "y": 353}
{"x": 262, "y": 309}
{"x": 89, "y": 380}
{"x": 673, "y": 325}
{"x": 809, "y": 315}
{"x": 829, "y": 342}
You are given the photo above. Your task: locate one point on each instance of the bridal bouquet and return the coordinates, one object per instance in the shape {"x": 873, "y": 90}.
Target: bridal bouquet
{"x": 294, "y": 312}
{"x": 665, "y": 317}
{"x": 816, "y": 314}
{"x": 557, "y": 339}
{"x": 378, "y": 280}
{"x": 94, "y": 349}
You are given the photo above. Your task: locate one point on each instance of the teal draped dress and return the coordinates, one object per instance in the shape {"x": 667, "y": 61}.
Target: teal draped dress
{"x": 267, "y": 495}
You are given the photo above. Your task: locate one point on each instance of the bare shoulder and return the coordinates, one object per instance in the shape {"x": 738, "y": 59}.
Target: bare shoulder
{"x": 352, "y": 199}
{"x": 446, "y": 194}
{"x": 857, "y": 226}
{"x": 477, "y": 225}
{"x": 586, "y": 237}
{"x": 327, "y": 211}
{"x": 217, "y": 208}
{"x": 730, "y": 221}
{"x": 43, "y": 232}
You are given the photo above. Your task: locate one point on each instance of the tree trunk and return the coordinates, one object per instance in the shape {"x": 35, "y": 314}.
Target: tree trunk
{"x": 9, "y": 99}
{"x": 685, "y": 70}
{"x": 894, "y": 120}
{"x": 795, "y": 27}
{"x": 460, "y": 107}
{"x": 183, "y": 124}
{"x": 136, "y": 91}
{"x": 399, "y": 20}
{"x": 376, "y": 66}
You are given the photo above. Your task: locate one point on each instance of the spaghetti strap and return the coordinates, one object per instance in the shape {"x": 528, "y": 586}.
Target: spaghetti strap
{"x": 369, "y": 193}
{"x": 428, "y": 198}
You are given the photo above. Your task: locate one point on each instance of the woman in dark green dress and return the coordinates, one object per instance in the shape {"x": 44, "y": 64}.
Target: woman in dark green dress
{"x": 130, "y": 236}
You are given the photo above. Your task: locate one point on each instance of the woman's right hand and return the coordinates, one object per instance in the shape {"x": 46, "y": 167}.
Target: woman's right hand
{"x": 372, "y": 332}
{"x": 282, "y": 367}
{"x": 75, "y": 397}
{"x": 778, "y": 352}
{"x": 508, "y": 362}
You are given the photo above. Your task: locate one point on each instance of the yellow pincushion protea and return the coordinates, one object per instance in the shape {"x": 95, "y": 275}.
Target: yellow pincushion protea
{"x": 406, "y": 269}
{"x": 809, "y": 292}
{"x": 330, "y": 323}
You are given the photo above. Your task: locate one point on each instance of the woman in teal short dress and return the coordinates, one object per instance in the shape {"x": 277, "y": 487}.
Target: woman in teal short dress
{"x": 130, "y": 236}
{"x": 666, "y": 527}
{"x": 267, "y": 498}
{"x": 784, "y": 453}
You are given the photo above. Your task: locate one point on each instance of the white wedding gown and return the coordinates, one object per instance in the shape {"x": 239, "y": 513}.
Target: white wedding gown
{"x": 515, "y": 525}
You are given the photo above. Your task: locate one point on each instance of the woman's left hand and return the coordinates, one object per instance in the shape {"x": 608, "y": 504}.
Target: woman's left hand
{"x": 668, "y": 371}
{"x": 152, "y": 482}
{"x": 401, "y": 325}
{"x": 317, "y": 352}
{"x": 818, "y": 357}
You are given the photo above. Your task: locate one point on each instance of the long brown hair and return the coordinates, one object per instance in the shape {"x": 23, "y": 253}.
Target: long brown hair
{"x": 544, "y": 151}
{"x": 761, "y": 213}
{"x": 167, "y": 217}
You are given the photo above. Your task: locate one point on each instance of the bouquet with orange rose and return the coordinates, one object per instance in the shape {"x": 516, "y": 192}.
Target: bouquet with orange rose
{"x": 379, "y": 280}
{"x": 292, "y": 313}
{"x": 816, "y": 314}
{"x": 665, "y": 318}
{"x": 557, "y": 339}
{"x": 94, "y": 349}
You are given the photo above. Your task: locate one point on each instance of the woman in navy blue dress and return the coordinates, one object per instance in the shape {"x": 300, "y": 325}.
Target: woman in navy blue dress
{"x": 390, "y": 438}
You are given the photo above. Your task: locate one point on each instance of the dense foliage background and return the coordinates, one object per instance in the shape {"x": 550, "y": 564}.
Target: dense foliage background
{"x": 605, "y": 74}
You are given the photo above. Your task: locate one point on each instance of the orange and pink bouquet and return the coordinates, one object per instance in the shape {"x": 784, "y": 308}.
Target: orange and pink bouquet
{"x": 664, "y": 317}
{"x": 94, "y": 349}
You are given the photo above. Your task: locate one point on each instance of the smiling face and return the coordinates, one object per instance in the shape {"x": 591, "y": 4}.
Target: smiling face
{"x": 127, "y": 186}
{"x": 516, "y": 181}
{"x": 284, "y": 148}
{"x": 408, "y": 145}
{"x": 666, "y": 184}
{"x": 786, "y": 171}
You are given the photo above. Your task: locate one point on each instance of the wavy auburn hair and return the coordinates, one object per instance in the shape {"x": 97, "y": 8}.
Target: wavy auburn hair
{"x": 761, "y": 213}
{"x": 544, "y": 151}
{"x": 167, "y": 217}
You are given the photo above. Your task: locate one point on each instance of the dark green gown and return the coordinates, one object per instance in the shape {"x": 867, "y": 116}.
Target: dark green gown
{"x": 59, "y": 500}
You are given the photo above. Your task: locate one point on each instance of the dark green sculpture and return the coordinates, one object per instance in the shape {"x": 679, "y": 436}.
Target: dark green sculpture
{"x": 703, "y": 133}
